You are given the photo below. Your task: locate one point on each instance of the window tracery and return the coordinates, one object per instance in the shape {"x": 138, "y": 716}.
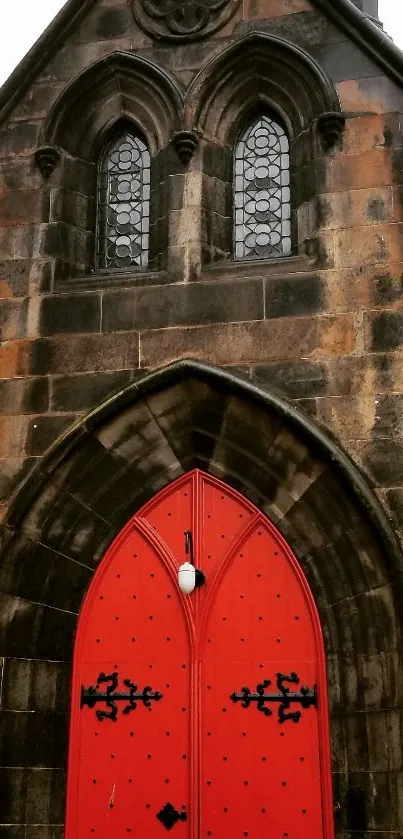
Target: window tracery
{"x": 262, "y": 225}
{"x": 124, "y": 204}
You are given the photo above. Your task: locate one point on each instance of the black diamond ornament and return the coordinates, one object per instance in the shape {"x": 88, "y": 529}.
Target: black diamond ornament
{"x": 169, "y": 816}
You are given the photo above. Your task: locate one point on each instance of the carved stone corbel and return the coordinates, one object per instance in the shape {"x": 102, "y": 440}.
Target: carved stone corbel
{"x": 47, "y": 158}
{"x": 330, "y": 126}
{"x": 185, "y": 144}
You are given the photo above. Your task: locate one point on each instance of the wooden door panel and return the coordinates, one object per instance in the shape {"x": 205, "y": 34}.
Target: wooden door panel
{"x": 222, "y": 522}
{"x": 219, "y": 743}
{"x": 129, "y": 768}
{"x": 258, "y": 773}
{"x": 171, "y": 513}
{"x": 253, "y": 766}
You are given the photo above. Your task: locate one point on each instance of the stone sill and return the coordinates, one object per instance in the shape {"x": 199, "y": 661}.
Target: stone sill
{"x": 227, "y": 269}
{"x": 120, "y": 279}
{"x": 264, "y": 268}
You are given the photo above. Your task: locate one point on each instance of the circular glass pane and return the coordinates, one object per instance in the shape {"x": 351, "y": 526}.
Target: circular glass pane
{"x": 262, "y": 206}
{"x": 123, "y": 187}
{"x": 250, "y": 207}
{"x": 122, "y": 251}
{"x": 263, "y": 239}
{"x": 123, "y": 218}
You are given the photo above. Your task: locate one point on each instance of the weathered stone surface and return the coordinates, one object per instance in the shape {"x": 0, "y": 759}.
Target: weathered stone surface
{"x": 105, "y": 22}
{"x": 382, "y": 459}
{"x": 17, "y": 206}
{"x": 14, "y": 277}
{"x": 70, "y": 313}
{"x": 35, "y": 686}
{"x": 369, "y": 245}
{"x": 85, "y": 391}
{"x": 285, "y": 338}
{"x": 24, "y": 396}
{"x": 177, "y": 305}
{"x": 384, "y": 331}
{"x": 43, "y": 430}
{"x": 323, "y": 329}
{"x": 19, "y": 138}
{"x": 13, "y": 471}
{"x": 296, "y": 296}
{"x": 82, "y": 353}
{"x": 73, "y": 208}
{"x": 295, "y": 379}
{"x": 13, "y": 318}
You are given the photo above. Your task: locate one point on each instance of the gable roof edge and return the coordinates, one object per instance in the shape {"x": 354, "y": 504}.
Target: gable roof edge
{"x": 41, "y": 52}
{"x": 367, "y": 34}
{"x": 358, "y": 26}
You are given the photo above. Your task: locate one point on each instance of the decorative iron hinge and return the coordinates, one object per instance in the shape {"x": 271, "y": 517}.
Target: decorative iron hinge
{"x": 306, "y": 697}
{"x": 168, "y": 816}
{"x": 90, "y": 696}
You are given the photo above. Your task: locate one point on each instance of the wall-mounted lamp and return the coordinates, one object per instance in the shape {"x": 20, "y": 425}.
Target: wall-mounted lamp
{"x": 189, "y": 577}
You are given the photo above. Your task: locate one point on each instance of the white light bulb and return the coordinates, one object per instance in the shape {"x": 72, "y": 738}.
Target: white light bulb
{"x": 187, "y": 578}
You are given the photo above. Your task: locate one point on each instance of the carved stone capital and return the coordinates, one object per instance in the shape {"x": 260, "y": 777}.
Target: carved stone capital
{"x": 47, "y": 158}
{"x": 330, "y": 126}
{"x": 185, "y": 144}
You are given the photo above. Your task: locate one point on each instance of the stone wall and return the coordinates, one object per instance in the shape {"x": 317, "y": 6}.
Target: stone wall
{"x": 323, "y": 328}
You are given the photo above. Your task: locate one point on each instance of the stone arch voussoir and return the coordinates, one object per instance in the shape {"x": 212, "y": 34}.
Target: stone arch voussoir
{"x": 193, "y": 415}
{"x": 260, "y": 72}
{"x": 120, "y": 86}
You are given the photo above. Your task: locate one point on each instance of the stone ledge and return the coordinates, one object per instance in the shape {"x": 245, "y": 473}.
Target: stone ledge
{"x": 104, "y": 279}
{"x": 227, "y": 269}
{"x": 265, "y": 268}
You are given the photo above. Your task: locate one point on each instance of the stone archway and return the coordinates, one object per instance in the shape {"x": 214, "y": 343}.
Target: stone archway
{"x": 61, "y": 521}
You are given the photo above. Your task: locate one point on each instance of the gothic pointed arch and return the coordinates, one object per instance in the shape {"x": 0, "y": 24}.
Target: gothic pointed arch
{"x": 123, "y": 202}
{"x": 257, "y": 75}
{"x": 179, "y": 663}
{"x": 119, "y": 86}
{"x": 195, "y": 416}
{"x": 262, "y": 205}
{"x": 260, "y": 71}
{"x": 121, "y": 89}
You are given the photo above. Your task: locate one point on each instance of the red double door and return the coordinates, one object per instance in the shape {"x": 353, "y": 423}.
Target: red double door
{"x": 203, "y": 714}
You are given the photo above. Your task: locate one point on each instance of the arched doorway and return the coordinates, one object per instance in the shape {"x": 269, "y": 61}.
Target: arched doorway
{"x": 76, "y": 502}
{"x": 203, "y": 714}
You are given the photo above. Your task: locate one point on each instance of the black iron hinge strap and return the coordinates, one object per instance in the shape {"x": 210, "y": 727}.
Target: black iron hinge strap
{"x": 306, "y": 697}
{"x": 91, "y": 696}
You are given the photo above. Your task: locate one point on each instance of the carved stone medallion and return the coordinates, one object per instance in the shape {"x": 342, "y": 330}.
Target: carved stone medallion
{"x": 182, "y": 20}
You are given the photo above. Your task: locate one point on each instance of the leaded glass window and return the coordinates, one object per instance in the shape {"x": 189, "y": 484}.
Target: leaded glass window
{"x": 262, "y": 192}
{"x": 124, "y": 204}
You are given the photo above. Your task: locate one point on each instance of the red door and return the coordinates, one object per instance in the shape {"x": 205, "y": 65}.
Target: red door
{"x": 202, "y": 714}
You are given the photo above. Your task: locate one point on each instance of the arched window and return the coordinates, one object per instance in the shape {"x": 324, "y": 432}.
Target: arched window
{"x": 262, "y": 191}
{"x": 123, "y": 204}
